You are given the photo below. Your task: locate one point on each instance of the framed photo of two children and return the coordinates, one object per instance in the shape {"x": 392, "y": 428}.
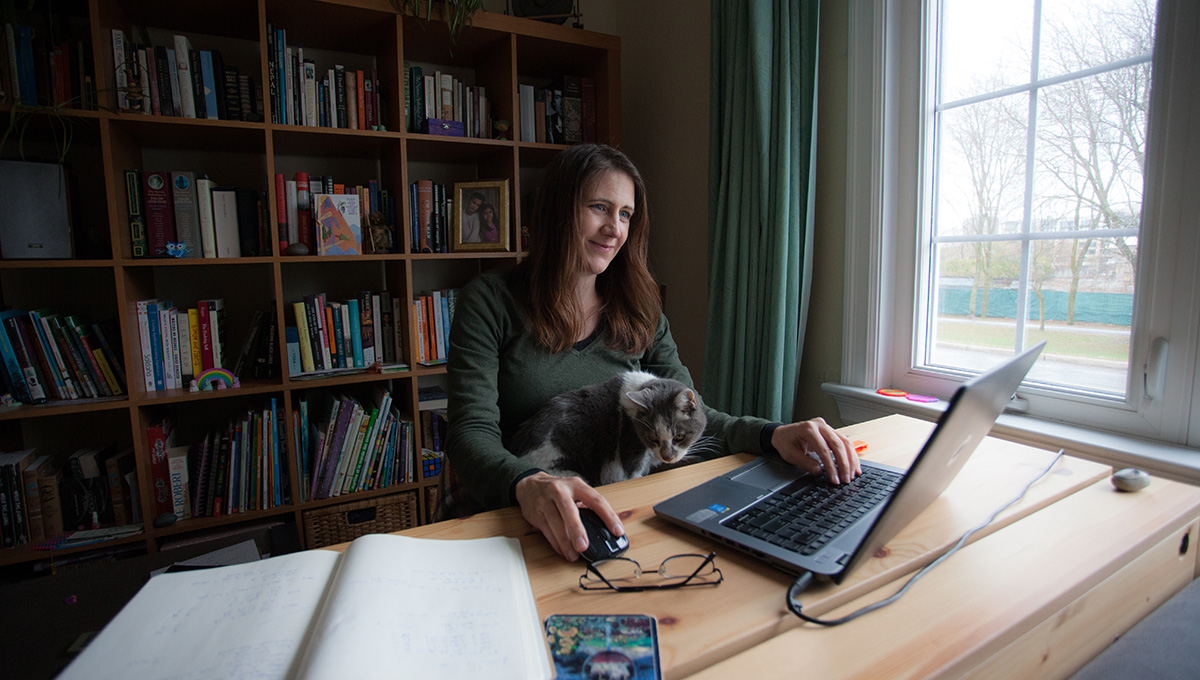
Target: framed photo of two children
{"x": 481, "y": 216}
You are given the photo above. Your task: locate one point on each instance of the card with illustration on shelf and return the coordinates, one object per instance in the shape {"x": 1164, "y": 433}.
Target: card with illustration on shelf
{"x": 339, "y": 224}
{"x": 318, "y": 217}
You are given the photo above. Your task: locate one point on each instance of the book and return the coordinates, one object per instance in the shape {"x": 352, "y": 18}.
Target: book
{"x": 339, "y": 224}
{"x": 50, "y": 476}
{"x": 160, "y": 214}
{"x": 588, "y": 87}
{"x": 208, "y": 80}
{"x": 187, "y": 214}
{"x": 389, "y": 606}
{"x": 120, "y": 71}
{"x": 12, "y": 477}
{"x": 225, "y": 222}
{"x": 204, "y": 210}
{"x": 539, "y": 114}
{"x": 14, "y": 375}
{"x": 526, "y": 101}
{"x": 35, "y": 527}
{"x": 572, "y": 110}
{"x": 250, "y": 223}
{"x": 177, "y": 467}
{"x": 197, "y": 85}
{"x": 183, "y": 65}
{"x": 137, "y": 215}
{"x": 216, "y": 327}
{"x": 116, "y": 467}
{"x": 160, "y": 438}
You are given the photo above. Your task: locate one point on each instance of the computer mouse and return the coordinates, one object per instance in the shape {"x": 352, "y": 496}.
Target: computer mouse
{"x": 1130, "y": 479}
{"x": 601, "y": 543}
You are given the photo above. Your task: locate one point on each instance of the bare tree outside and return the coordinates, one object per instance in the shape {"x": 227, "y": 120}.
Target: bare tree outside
{"x": 1038, "y": 185}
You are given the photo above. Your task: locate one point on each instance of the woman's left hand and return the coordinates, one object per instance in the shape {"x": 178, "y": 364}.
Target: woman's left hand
{"x": 813, "y": 446}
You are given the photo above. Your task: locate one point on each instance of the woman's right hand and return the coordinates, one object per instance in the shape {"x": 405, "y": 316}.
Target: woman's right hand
{"x": 551, "y": 504}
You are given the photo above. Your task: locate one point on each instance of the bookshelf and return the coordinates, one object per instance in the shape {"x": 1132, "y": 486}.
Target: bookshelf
{"x": 105, "y": 280}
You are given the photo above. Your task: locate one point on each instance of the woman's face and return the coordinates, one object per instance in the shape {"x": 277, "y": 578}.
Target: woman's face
{"x": 602, "y": 219}
{"x": 487, "y": 214}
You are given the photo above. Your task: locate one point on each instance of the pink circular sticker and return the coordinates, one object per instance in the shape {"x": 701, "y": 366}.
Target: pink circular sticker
{"x": 921, "y": 398}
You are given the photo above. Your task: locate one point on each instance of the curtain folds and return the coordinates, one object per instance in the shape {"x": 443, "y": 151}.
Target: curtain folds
{"x": 762, "y": 149}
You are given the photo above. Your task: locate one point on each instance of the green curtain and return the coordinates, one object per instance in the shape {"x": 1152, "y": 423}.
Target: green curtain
{"x": 762, "y": 148}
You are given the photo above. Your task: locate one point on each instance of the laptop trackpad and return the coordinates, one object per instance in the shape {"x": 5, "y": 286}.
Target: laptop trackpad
{"x": 771, "y": 474}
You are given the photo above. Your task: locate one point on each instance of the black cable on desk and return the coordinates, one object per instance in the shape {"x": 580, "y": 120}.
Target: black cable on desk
{"x": 806, "y": 578}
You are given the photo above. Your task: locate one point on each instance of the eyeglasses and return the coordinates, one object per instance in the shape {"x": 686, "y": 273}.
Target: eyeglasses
{"x": 621, "y": 573}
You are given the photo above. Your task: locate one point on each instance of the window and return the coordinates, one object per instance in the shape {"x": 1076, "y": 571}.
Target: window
{"x": 1023, "y": 171}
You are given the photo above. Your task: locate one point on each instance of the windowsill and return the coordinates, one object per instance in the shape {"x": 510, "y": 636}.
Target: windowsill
{"x": 1180, "y": 463}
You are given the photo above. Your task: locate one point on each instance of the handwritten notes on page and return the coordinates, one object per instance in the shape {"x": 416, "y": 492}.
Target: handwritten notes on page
{"x": 242, "y": 621}
{"x": 441, "y": 609}
{"x": 391, "y": 606}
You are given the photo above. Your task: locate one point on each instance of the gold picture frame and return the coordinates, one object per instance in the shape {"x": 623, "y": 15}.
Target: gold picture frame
{"x": 473, "y": 202}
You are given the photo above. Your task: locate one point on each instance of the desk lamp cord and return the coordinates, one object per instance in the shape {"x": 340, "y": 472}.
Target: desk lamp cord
{"x": 806, "y": 578}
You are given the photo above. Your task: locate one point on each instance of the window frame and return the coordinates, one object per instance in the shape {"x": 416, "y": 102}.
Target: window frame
{"x": 889, "y": 85}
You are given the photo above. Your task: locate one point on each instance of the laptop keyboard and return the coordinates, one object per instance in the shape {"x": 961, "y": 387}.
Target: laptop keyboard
{"x": 805, "y": 519}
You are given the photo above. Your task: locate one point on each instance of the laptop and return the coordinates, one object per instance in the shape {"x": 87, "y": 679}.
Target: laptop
{"x": 759, "y": 507}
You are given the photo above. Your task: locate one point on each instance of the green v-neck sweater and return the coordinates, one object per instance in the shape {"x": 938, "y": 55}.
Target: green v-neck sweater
{"x": 499, "y": 377}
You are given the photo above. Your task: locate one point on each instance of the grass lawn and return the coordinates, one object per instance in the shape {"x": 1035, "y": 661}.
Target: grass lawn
{"x": 1097, "y": 342}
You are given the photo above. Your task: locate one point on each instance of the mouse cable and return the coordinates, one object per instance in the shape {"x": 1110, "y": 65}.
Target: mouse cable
{"x": 806, "y": 578}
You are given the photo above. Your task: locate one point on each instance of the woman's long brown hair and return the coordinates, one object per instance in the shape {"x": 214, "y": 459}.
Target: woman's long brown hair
{"x": 627, "y": 289}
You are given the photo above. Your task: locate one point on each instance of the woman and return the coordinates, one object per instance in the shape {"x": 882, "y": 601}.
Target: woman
{"x": 489, "y": 231}
{"x": 581, "y": 309}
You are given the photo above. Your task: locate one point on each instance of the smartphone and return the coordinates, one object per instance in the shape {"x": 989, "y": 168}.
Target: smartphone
{"x": 588, "y": 646}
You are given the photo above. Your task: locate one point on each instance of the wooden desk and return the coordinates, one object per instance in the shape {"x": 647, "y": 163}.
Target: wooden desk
{"x": 1037, "y": 593}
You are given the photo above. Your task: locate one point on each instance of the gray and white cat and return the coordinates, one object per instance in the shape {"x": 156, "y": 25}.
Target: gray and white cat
{"x": 615, "y": 430}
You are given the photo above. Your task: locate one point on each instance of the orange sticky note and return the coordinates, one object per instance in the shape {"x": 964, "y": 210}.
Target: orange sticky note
{"x": 859, "y": 446}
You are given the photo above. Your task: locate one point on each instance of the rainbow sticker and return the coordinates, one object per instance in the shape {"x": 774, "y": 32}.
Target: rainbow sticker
{"x": 214, "y": 379}
{"x": 892, "y": 393}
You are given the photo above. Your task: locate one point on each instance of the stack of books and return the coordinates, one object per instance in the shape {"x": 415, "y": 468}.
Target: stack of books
{"x": 36, "y": 71}
{"x": 336, "y": 96}
{"x": 41, "y": 498}
{"x": 49, "y": 356}
{"x": 179, "y": 344}
{"x": 236, "y": 468}
{"x": 356, "y": 446}
{"x": 438, "y": 103}
{"x": 339, "y": 336}
{"x": 176, "y": 214}
{"x": 432, "y": 313}
{"x": 179, "y": 80}
{"x": 564, "y": 112}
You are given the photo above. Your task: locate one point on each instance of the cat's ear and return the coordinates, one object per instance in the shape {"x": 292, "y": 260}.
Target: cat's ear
{"x": 640, "y": 397}
{"x": 686, "y": 402}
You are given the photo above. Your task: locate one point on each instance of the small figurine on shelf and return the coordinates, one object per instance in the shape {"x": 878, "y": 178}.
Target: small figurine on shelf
{"x": 178, "y": 249}
{"x": 214, "y": 379}
{"x": 501, "y": 128}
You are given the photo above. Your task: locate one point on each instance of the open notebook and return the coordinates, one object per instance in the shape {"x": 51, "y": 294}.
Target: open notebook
{"x": 391, "y": 606}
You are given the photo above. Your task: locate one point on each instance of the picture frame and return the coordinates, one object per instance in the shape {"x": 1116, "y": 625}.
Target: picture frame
{"x": 473, "y": 201}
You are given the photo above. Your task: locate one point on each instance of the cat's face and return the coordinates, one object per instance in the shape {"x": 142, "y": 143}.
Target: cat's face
{"x": 669, "y": 419}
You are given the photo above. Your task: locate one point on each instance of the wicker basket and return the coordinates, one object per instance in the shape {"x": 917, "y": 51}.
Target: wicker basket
{"x": 346, "y": 522}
